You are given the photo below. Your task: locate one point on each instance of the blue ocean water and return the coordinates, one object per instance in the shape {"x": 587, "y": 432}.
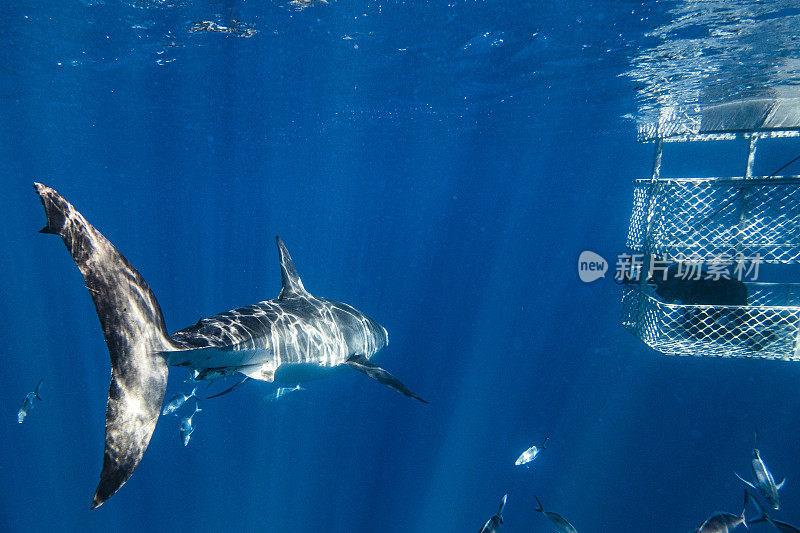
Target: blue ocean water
{"x": 438, "y": 165}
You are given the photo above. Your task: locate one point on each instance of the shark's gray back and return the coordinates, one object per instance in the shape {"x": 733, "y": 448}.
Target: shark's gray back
{"x": 303, "y": 329}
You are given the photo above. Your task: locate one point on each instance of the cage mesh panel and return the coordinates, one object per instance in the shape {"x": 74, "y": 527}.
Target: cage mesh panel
{"x": 765, "y": 329}
{"x": 706, "y": 218}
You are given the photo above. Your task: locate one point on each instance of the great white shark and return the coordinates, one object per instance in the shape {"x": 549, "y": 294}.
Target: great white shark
{"x": 293, "y": 333}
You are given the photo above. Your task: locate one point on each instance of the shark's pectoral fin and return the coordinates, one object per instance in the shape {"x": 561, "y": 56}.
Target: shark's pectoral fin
{"x": 781, "y": 484}
{"x": 362, "y": 364}
{"x": 135, "y": 396}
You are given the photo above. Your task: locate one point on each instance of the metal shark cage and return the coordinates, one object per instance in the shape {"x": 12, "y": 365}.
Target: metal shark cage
{"x": 707, "y": 218}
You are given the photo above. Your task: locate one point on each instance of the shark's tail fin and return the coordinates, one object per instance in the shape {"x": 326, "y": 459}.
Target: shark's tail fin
{"x": 134, "y": 332}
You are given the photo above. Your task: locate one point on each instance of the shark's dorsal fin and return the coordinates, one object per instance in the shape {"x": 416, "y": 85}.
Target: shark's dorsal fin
{"x": 291, "y": 287}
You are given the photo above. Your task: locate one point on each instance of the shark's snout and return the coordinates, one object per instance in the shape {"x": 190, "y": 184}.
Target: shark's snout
{"x": 379, "y": 333}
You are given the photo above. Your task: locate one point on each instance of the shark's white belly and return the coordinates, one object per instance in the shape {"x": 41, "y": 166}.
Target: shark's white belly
{"x": 205, "y": 358}
{"x": 287, "y": 365}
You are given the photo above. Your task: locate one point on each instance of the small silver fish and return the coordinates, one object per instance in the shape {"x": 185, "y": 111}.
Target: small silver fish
{"x": 283, "y": 391}
{"x": 530, "y": 454}
{"x": 177, "y": 401}
{"x": 764, "y": 482}
{"x": 721, "y": 523}
{"x": 187, "y": 426}
{"x": 29, "y": 402}
{"x": 493, "y": 524}
{"x": 558, "y": 521}
{"x": 724, "y": 522}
